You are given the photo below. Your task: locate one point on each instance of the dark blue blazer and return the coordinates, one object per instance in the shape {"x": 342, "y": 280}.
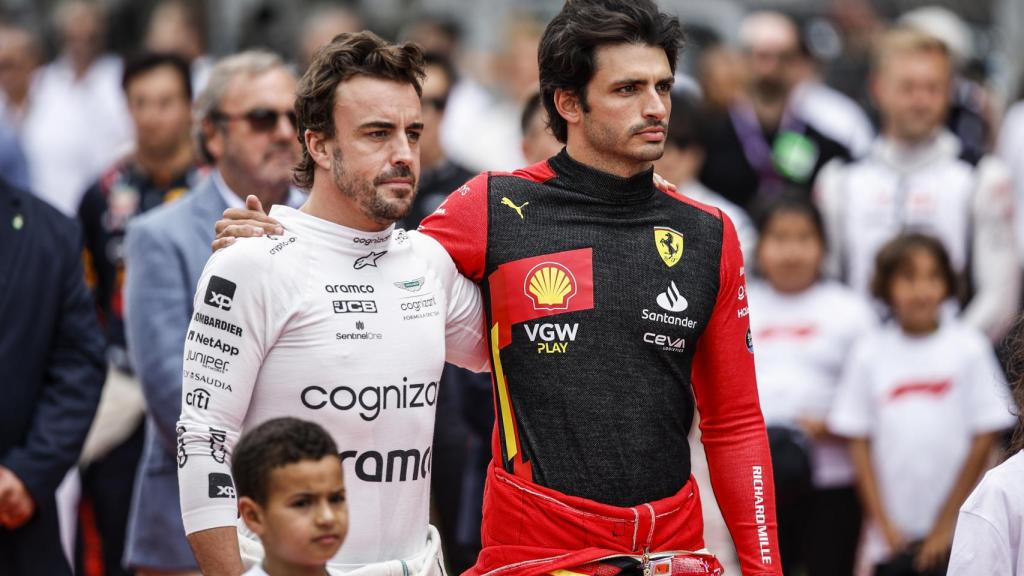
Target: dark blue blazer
{"x": 51, "y": 364}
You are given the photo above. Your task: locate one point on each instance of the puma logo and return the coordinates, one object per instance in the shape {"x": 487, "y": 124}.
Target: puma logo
{"x": 519, "y": 209}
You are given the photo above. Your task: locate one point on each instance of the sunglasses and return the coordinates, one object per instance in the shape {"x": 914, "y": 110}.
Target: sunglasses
{"x": 260, "y": 119}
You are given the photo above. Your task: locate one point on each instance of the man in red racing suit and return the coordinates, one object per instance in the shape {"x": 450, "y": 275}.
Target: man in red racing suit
{"x": 614, "y": 310}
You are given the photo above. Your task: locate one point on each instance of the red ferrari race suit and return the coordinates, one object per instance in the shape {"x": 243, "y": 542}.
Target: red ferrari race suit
{"x": 614, "y": 310}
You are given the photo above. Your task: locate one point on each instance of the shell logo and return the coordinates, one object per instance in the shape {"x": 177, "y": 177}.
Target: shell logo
{"x": 550, "y": 286}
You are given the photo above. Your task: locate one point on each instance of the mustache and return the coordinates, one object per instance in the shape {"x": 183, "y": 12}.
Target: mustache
{"x": 650, "y": 123}
{"x": 400, "y": 171}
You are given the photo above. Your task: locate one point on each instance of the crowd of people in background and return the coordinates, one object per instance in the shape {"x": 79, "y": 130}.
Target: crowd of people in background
{"x": 878, "y": 212}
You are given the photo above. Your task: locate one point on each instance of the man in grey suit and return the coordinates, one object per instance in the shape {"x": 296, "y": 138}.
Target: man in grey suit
{"x": 245, "y": 128}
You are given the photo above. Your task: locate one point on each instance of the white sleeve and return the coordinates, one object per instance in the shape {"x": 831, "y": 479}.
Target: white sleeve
{"x": 851, "y": 412}
{"x": 465, "y": 342}
{"x": 990, "y": 399}
{"x": 828, "y": 191}
{"x": 226, "y": 343}
{"x": 978, "y": 548}
{"x": 995, "y": 269}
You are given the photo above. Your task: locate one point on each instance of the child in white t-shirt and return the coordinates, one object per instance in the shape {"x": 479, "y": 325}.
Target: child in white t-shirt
{"x": 922, "y": 401}
{"x": 804, "y": 327}
{"x": 990, "y": 531}
{"x": 291, "y": 493}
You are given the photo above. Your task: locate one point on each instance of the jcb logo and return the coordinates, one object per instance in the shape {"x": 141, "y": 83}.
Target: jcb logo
{"x": 355, "y": 306}
{"x": 219, "y": 293}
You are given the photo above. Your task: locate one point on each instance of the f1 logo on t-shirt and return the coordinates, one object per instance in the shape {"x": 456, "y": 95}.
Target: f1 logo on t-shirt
{"x": 219, "y": 293}
{"x": 221, "y": 485}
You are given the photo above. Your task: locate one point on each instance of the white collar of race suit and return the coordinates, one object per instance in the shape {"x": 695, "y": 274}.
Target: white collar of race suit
{"x": 903, "y": 158}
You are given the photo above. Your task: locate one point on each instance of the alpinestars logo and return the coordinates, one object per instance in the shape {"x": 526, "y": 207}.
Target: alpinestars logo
{"x": 368, "y": 260}
{"x": 672, "y": 300}
{"x": 219, "y": 293}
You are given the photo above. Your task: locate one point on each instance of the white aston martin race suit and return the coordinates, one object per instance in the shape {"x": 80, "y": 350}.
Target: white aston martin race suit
{"x": 929, "y": 188}
{"x": 340, "y": 327}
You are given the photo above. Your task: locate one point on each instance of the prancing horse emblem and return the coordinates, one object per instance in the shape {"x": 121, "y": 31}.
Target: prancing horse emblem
{"x": 669, "y": 244}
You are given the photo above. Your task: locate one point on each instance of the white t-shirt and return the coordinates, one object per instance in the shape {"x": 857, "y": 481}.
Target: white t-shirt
{"x": 802, "y": 344}
{"x": 990, "y": 531}
{"x": 340, "y": 327}
{"x": 920, "y": 401}
{"x": 256, "y": 570}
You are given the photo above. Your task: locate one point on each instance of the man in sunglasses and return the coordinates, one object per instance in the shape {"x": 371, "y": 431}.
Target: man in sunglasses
{"x": 245, "y": 128}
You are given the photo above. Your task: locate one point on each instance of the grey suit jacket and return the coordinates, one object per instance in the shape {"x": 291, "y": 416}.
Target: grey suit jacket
{"x": 166, "y": 250}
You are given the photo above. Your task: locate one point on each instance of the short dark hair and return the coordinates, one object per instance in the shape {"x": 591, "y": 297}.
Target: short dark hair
{"x": 346, "y": 56}
{"x": 274, "y": 444}
{"x": 566, "y": 54}
{"x": 529, "y": 110}
{"x": 792, "y": 202}
{"x": 149, "y": 61}
{"x": 894, "y": 257}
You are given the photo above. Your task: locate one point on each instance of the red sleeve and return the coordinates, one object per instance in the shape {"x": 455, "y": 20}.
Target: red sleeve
{"x": 460, "y": 225}
{"x": 731, "y": 424}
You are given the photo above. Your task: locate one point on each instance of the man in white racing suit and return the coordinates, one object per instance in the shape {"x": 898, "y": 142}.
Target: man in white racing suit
{"x": 915, "y": 177}
{"x": 343, "y": 320}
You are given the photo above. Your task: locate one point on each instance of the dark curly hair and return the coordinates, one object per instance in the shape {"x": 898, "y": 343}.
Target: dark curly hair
{"x": 346, "y": 56}
{"x": 274, "y": 444}
{"x": 566, "y": 53}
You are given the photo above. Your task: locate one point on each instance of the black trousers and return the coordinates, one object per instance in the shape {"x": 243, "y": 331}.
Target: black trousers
{"x": 34, "y": 549}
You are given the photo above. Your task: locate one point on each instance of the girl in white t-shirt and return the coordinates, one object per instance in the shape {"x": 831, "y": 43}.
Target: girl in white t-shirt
{"x": 804, "y": 327}
{"x": 990, "y": 531}
{"x": 922, "y": 401}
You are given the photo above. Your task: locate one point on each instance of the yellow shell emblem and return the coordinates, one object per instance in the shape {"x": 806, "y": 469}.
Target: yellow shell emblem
{"x": 551, "y": 286}
{"x": 669, "y": 244}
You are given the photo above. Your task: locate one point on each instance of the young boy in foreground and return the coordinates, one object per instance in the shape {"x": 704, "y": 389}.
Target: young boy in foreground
{"x": 291, "y": 493}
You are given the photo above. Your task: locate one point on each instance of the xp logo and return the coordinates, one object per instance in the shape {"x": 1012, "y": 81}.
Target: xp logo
{"x": 550, "y": 286}
{"x": 221, "y": 485}
{"x": 198, "y": 398}
{"x": 368, "y": 260}
{"x": 669, "y": 244}
{"x": 672, "y": 300}
{"x": 219, "y": 293}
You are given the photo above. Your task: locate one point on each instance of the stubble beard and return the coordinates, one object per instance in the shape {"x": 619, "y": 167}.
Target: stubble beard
{"x": 369, "y": 201}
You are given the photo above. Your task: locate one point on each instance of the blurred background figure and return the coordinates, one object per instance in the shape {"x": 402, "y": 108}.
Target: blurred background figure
{"x": 539, "y": 143}
{"x": 804, "y": 326}
{"x": 245, "y": 129}
{"x": 494, "y": 106}
{"x": 160, "y": 169}
{"x": 19, "y": 59}
{"x": 51, "y": 349}
{"x": 922, "y": 401}
{"x": 971, "y": 111}
{"x": 761, "y": 147}
{"x": 324, "y": 21}
{"x": 179, "y": 27}
{"x": 439, "y": 175}
{"x": 77, "y": 122}
{"x": 919, "y": 177}
{"x": 685, "y": 153}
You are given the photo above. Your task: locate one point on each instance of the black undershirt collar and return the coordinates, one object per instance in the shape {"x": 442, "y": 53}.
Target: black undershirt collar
{"x": 602, "y": 185}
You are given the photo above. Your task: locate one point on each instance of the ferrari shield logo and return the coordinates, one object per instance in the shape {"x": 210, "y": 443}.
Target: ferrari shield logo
{"x": 669, "y": 244}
